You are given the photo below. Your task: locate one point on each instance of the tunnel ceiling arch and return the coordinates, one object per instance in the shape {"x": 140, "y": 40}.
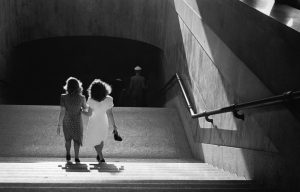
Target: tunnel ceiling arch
{"x": 138, "y": 20}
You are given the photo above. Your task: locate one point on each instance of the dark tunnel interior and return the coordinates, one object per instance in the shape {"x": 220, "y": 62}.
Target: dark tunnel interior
{"x": 38, "y": 69}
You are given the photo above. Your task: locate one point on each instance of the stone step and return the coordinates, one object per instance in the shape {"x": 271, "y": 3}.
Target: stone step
{"x": 60, "y": 171}
{"x": 117, "y": 175}
{"x": 131, "y": 187}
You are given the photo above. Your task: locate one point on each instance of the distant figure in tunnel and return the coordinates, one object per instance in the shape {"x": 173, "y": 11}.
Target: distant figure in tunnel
{"x": 137, "y": 88}
{"x": 72, "y": 103}
{"x": 101, "y": 105}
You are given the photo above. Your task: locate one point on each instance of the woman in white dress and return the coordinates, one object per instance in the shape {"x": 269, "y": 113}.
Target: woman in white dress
{"x": 101, "y": 104}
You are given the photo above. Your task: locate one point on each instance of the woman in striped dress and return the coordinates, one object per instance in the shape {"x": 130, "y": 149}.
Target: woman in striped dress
{"x": 72, "y": 104}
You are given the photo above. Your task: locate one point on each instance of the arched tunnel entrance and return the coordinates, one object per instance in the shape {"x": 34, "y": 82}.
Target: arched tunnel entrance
{"x": 39, "y": 68}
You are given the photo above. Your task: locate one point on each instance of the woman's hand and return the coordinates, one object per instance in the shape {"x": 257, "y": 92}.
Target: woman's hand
{"x": 117, "y": 137}
{"x": 88, "y": 111}
{"x": 115, "y": 128}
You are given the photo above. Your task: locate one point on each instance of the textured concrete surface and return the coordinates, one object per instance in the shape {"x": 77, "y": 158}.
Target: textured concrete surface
{"x": 250, "y": 33}
{"x": 217, "y": 75}
{"x": 27, "y": 20}
{"x": 30, "y": 131}
{"x": 50, "y": 174}
{"x": 59, "y": 172}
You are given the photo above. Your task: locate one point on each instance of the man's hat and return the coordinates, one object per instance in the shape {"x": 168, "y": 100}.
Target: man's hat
{"x": 137, "y": 68}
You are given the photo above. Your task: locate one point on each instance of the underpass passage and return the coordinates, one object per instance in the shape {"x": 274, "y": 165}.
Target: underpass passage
{"x": 39, "y": 68}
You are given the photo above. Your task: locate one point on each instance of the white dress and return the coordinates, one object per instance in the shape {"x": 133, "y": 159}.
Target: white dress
{"x": 97, "y": 127}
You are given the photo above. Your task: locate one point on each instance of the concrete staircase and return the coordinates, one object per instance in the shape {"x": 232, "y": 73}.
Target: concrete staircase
{"x": 28, "y": 174}
{"x": 154, "y": 155}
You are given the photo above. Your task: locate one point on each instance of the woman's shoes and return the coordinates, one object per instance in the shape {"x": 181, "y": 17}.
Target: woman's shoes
{"x": 117, "y": 137}
{"x": 68, "y": 157}
{"x": 77, "y": 160}
{"x": 98, "y": 159}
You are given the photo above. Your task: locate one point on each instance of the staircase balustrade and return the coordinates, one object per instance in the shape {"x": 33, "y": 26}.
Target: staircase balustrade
{"x": 284, "y": 98}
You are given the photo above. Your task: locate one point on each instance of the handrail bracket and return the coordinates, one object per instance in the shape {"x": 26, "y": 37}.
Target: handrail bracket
{"x": 209, "y": 119}
{"x": 237, "y": 115}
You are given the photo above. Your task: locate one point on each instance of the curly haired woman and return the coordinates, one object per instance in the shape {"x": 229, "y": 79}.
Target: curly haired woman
{"x": 101, "y": 104}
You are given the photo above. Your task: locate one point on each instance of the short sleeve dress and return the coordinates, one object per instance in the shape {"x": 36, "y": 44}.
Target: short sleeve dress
{"x": 98, "y": 124}
{"x": 72, "y": 122}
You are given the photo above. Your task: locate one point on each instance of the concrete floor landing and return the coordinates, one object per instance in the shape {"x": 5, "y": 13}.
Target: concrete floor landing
{"x": 30, "y": 131}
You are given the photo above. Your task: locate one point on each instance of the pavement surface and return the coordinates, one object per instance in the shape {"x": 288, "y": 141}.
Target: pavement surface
{"x": 30, "y": 131}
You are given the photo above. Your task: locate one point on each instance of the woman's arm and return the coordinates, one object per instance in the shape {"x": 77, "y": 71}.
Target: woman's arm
{"x": 61, "y": 117}
{"x": 86, "y": 109}
{"x": 61, "y": 114}
{"x": 84, "y": 106}
{"x": 111, "y": 118}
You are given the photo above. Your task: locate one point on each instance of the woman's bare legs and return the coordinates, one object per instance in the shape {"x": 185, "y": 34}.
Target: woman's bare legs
{"x": 68, "y": 148}
{"x": 101, "y": 147}
{"x": 99, "y": 150}
{"x": 76, "y": 150}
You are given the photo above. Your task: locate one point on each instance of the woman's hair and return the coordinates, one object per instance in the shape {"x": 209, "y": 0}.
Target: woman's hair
{"x": 73, "y": 86}
{"x": 98, "y": 90}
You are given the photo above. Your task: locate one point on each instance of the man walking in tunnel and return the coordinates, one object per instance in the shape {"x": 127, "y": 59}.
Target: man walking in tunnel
{"x": 137, "y": 88}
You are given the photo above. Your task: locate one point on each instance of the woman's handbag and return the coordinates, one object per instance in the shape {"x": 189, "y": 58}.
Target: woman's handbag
{"x": 117, "y": 137}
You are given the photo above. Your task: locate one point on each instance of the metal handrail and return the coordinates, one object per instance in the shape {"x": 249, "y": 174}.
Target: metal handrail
{"x": 279, "y": 99}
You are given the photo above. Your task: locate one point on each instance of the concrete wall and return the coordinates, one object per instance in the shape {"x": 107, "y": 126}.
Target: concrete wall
{"x": 294, "y": 3}
{"x": 227, "y": 53}
{"x": 27, "y": 20}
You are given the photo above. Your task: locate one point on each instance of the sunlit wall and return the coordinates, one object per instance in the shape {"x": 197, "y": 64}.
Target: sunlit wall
{"x": 228, "y": 52}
